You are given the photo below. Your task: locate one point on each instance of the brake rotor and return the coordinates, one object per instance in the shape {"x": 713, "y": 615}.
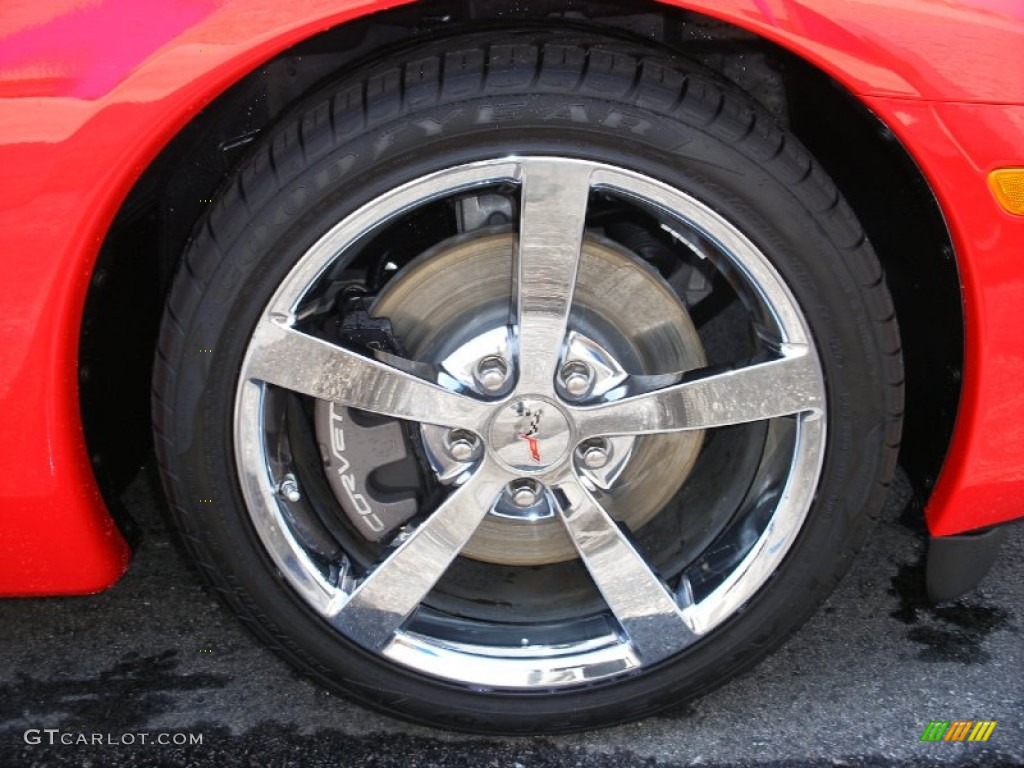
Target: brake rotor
{"x": 461, "y": 290}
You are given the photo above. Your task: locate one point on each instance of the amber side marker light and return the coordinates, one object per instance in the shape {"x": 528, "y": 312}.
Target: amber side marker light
{"x": 1007, "y": 184}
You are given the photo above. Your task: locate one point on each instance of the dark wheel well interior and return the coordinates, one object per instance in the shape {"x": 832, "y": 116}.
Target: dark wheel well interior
{"x": 873, "y": 170}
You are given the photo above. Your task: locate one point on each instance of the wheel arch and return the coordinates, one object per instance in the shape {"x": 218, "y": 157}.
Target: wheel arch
{"x": 873, "y": 169}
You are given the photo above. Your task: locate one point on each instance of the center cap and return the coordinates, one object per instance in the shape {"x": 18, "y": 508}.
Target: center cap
{"x": 530, "y": 435}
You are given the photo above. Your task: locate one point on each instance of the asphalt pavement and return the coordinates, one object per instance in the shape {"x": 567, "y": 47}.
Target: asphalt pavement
{"x": 156, "y": 672}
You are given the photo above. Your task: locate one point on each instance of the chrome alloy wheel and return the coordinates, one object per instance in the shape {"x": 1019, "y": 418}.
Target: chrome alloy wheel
{"x": 532, "y": 429}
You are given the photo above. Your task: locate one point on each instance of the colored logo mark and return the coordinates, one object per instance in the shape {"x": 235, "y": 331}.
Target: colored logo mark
{"x": 958, "y": 730}
{"x": 534, "y": 444}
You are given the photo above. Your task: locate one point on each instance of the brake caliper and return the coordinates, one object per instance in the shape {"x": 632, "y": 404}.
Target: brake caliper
{"x": 367, "y": 458}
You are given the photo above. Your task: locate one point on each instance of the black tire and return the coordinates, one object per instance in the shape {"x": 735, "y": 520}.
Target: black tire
{"x": 474, "y": 98}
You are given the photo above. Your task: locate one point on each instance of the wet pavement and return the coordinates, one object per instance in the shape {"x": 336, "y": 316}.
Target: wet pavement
{"x": 158, "y": 658}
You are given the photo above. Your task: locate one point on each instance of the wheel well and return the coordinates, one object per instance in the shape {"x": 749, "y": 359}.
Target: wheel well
{"x": 873, "y": 170}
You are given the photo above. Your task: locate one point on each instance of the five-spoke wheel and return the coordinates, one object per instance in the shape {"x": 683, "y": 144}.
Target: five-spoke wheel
{"x": 528, "y": 417}
{"x": 533, "y": 414}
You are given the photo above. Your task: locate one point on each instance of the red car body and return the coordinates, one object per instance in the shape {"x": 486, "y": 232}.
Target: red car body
{"x": 92, "y": 92}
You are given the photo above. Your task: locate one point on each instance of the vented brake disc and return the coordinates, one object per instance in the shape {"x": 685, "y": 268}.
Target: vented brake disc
{"x": 451, "y": 306}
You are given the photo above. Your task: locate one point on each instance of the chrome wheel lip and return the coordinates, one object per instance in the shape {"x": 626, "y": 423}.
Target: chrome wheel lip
{"x": 528, "y": 666}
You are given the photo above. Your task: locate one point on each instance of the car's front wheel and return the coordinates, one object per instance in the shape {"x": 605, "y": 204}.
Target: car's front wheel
{"x": 527, "y": 385}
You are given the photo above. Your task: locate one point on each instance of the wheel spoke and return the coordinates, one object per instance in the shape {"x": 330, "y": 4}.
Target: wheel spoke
{"x": 553, "y": 210}
{"x": 385, "y": 599}
{"x": 648, "y": 613}
{"x": 788, "y": 385}
{"x": 294, "y": 360}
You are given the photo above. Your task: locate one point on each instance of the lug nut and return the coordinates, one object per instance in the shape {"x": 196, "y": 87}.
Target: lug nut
{"x": 289, "y": 489}
{"x": 594, "y": 454}
{"x": 577, "y": 378}
{"x": 461, "y": 445}
{"x": 491, "y": 373}
{"x": 524, "y": 493}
